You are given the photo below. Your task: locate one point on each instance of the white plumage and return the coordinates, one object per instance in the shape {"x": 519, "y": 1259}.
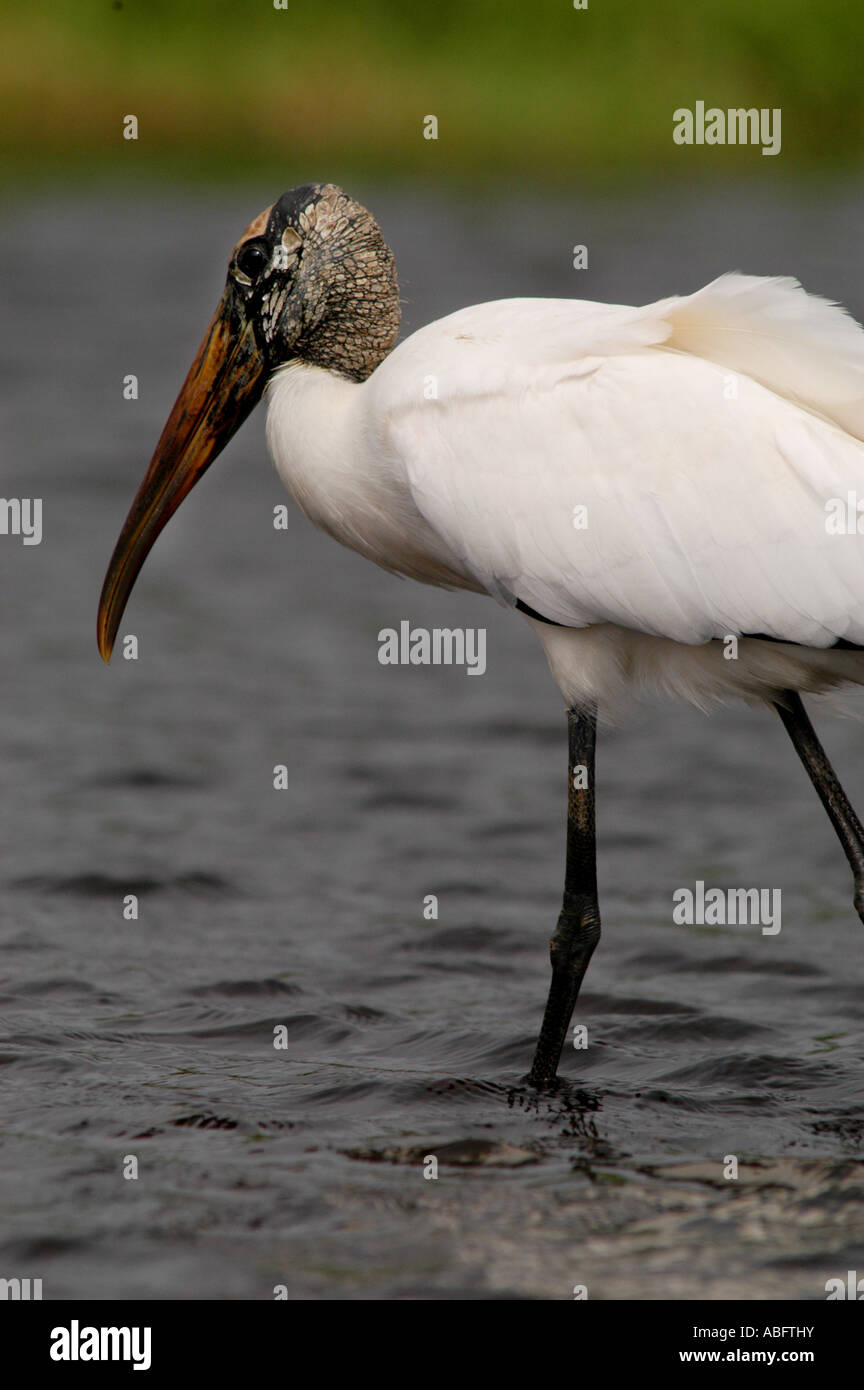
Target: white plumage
{"x": 702, "y": 436}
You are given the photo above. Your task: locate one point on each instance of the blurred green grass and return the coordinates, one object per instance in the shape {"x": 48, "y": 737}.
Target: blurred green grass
{"x": 540, "y": 91}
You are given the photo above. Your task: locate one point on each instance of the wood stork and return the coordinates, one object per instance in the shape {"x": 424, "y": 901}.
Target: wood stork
{"x": 653, "y": 488}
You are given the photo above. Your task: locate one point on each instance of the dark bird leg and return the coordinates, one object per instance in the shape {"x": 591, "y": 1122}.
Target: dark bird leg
{"x": 847, "y": 826}
{"x": 578, "y": 929}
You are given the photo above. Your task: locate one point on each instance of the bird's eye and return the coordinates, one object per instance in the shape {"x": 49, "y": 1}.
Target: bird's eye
{"x": 252, "y": 259}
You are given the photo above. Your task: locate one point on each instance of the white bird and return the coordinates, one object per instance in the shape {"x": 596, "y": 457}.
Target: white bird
{"x": 668, "y": 494}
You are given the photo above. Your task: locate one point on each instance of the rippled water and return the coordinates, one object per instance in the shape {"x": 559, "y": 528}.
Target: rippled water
{"x": 303, "y": 908}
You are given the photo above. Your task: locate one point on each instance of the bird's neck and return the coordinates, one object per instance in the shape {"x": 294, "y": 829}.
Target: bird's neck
{"x": 309, "y": 437}
{"x": 337, "y": 473}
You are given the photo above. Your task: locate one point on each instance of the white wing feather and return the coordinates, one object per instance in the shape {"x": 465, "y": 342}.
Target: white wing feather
{"x": 702, "y": 435}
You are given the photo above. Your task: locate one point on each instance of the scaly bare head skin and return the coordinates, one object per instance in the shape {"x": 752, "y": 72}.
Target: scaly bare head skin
{"x": 311, "y": 278}
{"x": 341, "y": 309}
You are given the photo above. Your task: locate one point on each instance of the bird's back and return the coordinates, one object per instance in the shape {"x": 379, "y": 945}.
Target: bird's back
{"x": 666, "y": 468}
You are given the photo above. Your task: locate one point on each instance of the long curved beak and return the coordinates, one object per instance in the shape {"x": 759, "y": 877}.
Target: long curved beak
{"x": 224, "y": 383}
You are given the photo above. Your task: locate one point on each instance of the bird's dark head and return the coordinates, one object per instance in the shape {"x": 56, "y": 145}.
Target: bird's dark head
{"x": 315, "y": 280}
{"x": 311, "y": 279}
